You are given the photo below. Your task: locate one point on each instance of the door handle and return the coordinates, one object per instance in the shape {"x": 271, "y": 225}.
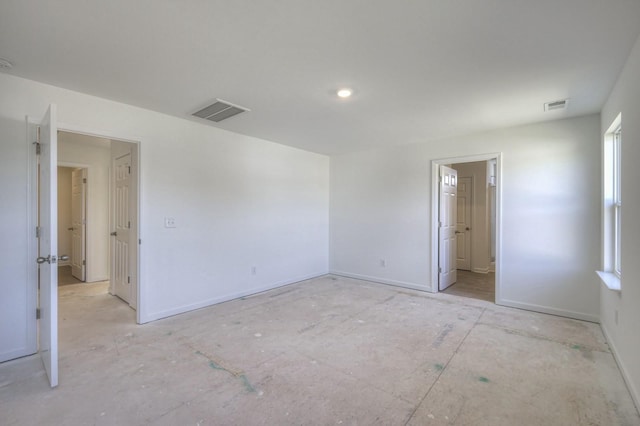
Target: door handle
{"x": 51, "y": 259}
{"x": 459, "y": 232}
{"x": 114, "y": 234}
{"x": 70, "y": 229}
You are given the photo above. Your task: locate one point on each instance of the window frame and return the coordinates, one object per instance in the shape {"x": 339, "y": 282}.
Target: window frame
{"x": 617, "y": 200}
{"x": 611, "y": 273}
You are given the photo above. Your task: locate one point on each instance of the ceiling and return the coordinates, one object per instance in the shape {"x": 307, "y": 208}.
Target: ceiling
{"x": 420, "y": 70}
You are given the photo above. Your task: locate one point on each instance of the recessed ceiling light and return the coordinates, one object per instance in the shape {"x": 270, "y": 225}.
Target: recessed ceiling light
{"x": 344, "y": 93}
{"x": 5, "y": 65}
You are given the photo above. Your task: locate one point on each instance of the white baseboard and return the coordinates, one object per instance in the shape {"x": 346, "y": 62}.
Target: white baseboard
{"x": 633, "y": 390}
{"x": 548, "y": 310}
{"x": 481, "y": 270}
{"x": 396, "y": 283}
{"x": 214, "y": 301}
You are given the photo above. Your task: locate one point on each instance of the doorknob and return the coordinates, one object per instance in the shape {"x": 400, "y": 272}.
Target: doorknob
{"x": 41, "y": 260}
{"x": 70, "y": 229}
{"x": 459, "y": 232}
{"x": 114, "y": 233}
{"x": 64, "y": 257}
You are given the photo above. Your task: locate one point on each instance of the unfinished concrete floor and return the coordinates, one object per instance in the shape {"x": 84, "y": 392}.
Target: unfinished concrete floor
{"x": 322, "y": 352}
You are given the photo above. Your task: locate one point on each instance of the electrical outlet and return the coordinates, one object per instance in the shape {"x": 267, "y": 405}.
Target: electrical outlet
{"x": 169, "y": 222}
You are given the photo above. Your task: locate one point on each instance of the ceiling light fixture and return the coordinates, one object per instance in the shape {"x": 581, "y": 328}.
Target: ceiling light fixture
{"x": 5, "y": 65}
{"x": 345, "y": 93}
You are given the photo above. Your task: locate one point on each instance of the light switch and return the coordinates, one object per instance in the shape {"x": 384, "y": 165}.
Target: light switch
{"x": 169, "y": 222}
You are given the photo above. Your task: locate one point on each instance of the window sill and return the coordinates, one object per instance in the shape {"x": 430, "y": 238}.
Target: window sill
{"x": 611, "y": 280}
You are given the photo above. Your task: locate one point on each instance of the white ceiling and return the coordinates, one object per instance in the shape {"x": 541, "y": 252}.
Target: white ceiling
{"x": 421, "y": 70}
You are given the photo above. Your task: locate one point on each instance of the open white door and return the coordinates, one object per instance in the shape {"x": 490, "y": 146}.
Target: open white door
{"x": 78, "y": 223}
{"x": 48, "y": 242}
{"x": 121, "y": 275}
{"x": 447, "y": 227}
{"x": 463, "y": 223}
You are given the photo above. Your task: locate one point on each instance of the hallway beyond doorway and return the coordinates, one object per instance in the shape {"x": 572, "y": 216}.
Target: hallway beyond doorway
{"x": 474, "y": 285}
{"x": 65, "y": 277}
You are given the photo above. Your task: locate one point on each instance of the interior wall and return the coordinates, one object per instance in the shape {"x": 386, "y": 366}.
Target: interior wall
{"x": 381, "y": 209}
{"x": 623, "y": 334}
{"x": 479, "y": 217}
{"x": 239, "y": 202}
{"x": 64, "y": 212}
{"x": 94, "y": 153}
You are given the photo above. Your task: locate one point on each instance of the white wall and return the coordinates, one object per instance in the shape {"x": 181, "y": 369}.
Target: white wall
{"x": 239, "y": 202}
{"x": 64, "y": 212}
{"x": 381, "y": 209}
{"x": 480, "y": 257}
{"x": 623, "y": 336}
{"x": 94, "y": 154}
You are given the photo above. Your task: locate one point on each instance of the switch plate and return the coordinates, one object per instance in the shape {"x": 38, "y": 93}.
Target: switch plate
{"x": 169, "y": 222}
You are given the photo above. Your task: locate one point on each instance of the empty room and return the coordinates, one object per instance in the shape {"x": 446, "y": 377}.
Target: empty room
{"x": 305, "y": 212}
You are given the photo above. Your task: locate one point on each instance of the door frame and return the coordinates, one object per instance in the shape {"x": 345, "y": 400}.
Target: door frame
{"x": 435, "y": 207}
{"x": 32, "y": 220}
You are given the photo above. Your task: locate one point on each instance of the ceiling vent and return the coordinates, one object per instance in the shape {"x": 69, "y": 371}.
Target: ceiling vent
{"x": 556, "y": 105}
{"x": 220, "y": 110}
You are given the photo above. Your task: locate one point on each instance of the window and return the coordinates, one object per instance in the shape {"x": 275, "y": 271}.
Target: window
{"x": 611, "y": 273}
{"x": 617, "y": 200}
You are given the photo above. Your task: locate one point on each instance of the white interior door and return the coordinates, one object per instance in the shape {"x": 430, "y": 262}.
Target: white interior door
{"x": 78, "y": 223}
{"x": 48, "y": 243}
{"x": 447, "y": 227}
{"x": 122, "y": 220}
{"x": 463, "y": 223}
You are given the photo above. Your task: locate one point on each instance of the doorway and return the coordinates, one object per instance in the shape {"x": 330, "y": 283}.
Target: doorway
{"x": 472, "y": 255}
{"x": 42, "y": 139}
{"x": 100, "y": 228}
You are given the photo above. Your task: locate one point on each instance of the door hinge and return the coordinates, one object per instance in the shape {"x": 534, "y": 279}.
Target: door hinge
{"x": 129, "y": 225}
{"x": 37, "y": 232}
{"x": 440, "y": 270}
{"x": 84, "y": 180}
{"x": 129, "y": 169}
{"x": 37, "y": 142}
{"x": 139, "y": 241}
{"x": 37, "y": 313}
{"x": 84, "y": 262}
{"x": 128, "y": 280}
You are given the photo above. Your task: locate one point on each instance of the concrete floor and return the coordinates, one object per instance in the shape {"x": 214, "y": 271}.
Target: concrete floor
{"x": 327, "y": 351}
